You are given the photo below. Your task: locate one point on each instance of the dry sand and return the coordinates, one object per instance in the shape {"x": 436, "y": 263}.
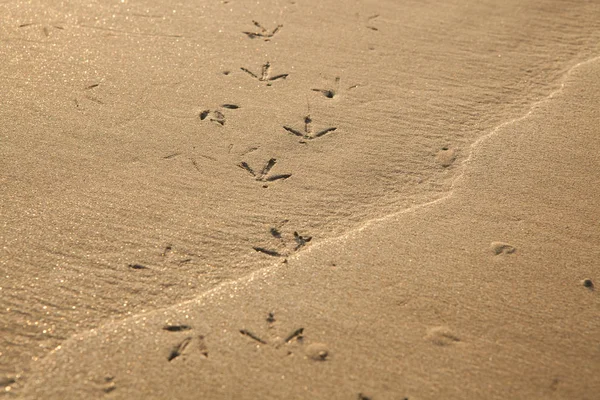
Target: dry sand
{"x": 441, "y": 242}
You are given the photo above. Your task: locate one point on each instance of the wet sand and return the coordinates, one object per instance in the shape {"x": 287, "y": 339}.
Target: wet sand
{"x": 439, "y": 243}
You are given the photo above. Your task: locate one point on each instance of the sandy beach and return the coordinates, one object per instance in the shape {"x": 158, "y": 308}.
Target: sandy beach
{"x": 299, "y": 199}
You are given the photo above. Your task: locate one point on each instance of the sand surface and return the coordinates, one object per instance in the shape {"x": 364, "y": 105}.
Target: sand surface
{"x": 179, "y": 219}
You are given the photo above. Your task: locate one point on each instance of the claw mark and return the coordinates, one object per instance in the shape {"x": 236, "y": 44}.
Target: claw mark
{"x": 45, "y": 29}
{"x": 371, "y": 27}
{"x": 270, "y": 164}
{"x": 297, "y": 334}
{"x": 88, "y": 95}
{"x": 264, "y": 33}
{"x": 300, "y": 240}
{"x": 231, "y": 106}
{"x": 249, "y": 150}
{"x": 324, "y": 132}
{"x": 195, "y": 164}
{"x": 329, "y": 93}
{"x": 249, "y": 72}
{"x": 176, "y": 328}
{"x": 245, "y": 166}
{"x": 308, "y": 133}
{"x": 272, "y": 253}
{"x": 265, "y": 75}
{"x": 333, "y": 92}
{"x": 293, "y": 131}
{"x": 95, "y": 100}
{"x": 263, "y": 176}
{"x": 179, "y": 349}
{"x": 278, "y": 177}
{"x": 137, "y": 266}
{"x": 252, "y": 336}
